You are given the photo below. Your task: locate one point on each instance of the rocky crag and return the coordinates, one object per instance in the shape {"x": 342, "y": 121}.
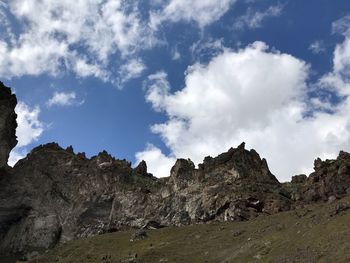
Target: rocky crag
{"x": 8, "y": 123}
{"x": 55, "y": 195}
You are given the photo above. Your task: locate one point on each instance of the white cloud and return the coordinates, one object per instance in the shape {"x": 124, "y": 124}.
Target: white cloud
{"x": 84, "y": 69}
{"x": 28, "y": 131}
{"x": 63, "y": 99}
{"x": 85, "y": 37}
{"x": 203, "y": 12}
{"x": 339, "y": 78}
{"x": 79, "y": 36}
{"x": 317, "y": 47}
{"x": 257, "y": 96}
{"x": 341, "y": 26}
{"x": 131, "y": 70}
{"x": 157, "y": 162}
{"x": 16, "y": 155}
{"x": 158, "y": 88}
{"x": 29, "y": 126}
{"x": 175, "y": 54}
{"x": 254, "y": 19}
{"x": 5, "y": 26}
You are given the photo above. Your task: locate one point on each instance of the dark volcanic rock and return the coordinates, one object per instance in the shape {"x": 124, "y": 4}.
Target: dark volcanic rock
{"x": 8, "y": 123}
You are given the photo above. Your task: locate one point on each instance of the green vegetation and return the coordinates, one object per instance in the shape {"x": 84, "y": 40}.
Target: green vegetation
{"x": 316, "y": 233}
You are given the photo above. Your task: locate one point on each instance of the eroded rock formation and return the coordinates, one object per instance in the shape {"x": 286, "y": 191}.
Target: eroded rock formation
{"x": 330, "y": 179}
{"x": 54, "y": 195}
{"x": 8, "y": 123}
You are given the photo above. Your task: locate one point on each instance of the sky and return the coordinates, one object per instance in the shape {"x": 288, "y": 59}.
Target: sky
{"x": 158, "y": 80}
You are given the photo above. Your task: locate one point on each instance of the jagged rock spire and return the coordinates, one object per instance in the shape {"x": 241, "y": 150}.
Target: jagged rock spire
{"x": 8, "y": 123}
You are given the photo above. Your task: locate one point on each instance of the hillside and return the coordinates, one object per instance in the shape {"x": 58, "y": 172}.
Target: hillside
{"x": 315, "y": 233}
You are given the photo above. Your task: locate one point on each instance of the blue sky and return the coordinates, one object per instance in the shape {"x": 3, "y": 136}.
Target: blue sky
{"x": 160, "y": 80}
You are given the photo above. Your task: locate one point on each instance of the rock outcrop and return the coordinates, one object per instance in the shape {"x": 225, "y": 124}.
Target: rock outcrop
{"x": 54, "y": 195}
{"x": 8, "y": 123}
{"x": 330, "y": 179}
{"x": 236, "y": 185}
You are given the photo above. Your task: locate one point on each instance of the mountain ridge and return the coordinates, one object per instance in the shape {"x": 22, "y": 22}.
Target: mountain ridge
{"x": 54, "y": 195}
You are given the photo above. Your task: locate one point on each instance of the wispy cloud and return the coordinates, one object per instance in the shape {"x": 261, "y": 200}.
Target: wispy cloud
{"x": 206, "y": 48}
{"x": 254, "y": 18}
{"x": 317, "y": 47}
{"x": 175, "y": 54}
{"x": 341, "y": 26}
{"x": 203, "y": 12}
{"x": 64, "y": 99}
{"x": 131, "y": 70}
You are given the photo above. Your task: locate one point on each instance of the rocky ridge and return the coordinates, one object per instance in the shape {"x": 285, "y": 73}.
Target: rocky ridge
{"x": 8, "y": 123}
{"x": 55, "y": 195}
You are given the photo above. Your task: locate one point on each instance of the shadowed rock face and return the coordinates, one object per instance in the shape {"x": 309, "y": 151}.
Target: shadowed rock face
{"x": 54, "y": 195}
{"x": 8, "y": 123}
{"x": 66, "y": 196}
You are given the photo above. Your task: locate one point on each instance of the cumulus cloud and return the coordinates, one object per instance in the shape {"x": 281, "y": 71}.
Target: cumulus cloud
{"x": 257, "y": 96}
{"x": 157, "y": 162}
{"x": 63, "y": 99}
{"x": 29, "y": 126}
{"x": 16, "y": 155}
{"x": 79, "y": 36}
{"x": 254, "y": 19}
{"x": 203, "y": 12}
{"x": 53, "y": 37}
{"x": 28, "y": 131}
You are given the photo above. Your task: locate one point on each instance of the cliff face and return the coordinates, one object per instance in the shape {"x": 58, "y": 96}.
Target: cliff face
{"x": 54, "y": 195}
{"x": 8, "y": 123}
{"x": 236, "y": 185}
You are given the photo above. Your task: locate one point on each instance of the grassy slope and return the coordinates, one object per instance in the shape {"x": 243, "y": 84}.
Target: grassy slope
{"x": 305, "y": 235}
